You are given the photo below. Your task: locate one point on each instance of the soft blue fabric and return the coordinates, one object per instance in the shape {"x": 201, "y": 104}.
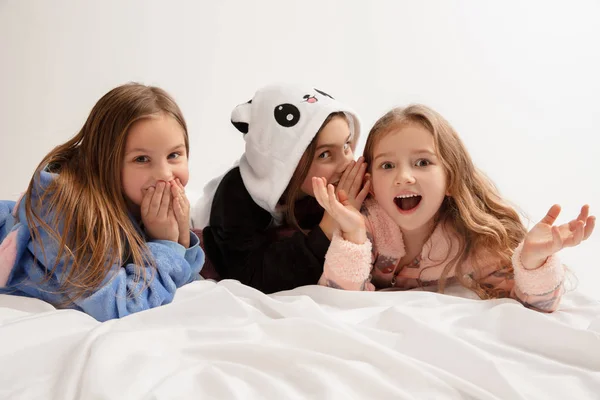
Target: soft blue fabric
{"x": 121, "y": 294}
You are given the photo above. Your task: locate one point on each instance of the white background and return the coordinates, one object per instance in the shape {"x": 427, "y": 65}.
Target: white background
{"x": 519, "y": 80}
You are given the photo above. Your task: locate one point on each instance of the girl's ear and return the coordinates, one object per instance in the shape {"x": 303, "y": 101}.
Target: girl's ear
{"x": 367, "y": 178}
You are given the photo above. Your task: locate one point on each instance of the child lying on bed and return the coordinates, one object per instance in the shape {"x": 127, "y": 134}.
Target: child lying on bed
{"x": 265, "y": 228}
{"x": 432, "y": 216}
{"x": 104, "y": 225}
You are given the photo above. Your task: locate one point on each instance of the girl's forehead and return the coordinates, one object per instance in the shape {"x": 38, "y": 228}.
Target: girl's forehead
{"x": 155, "y": 131}
{"x": 335, "y": 129}
{"x": 406, "y": 136}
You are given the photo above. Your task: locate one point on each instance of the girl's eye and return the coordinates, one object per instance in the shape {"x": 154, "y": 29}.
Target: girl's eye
{"x": 422, "y": 162}
{"x": 347, "y": 146}
{"x": 174, "y": 155}
{"x": 141, "y": 159}
{"x": 387, "y": 165}
{"x": 325, "y": 154}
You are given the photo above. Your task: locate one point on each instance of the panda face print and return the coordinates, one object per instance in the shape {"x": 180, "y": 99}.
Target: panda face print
{"x": 323, "y": 93}
{"x": 310, "y": 98}
{"x": 288, "y": 115}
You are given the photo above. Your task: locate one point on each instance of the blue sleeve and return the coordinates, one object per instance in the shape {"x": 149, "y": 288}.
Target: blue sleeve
{"x": 123, "y": 294}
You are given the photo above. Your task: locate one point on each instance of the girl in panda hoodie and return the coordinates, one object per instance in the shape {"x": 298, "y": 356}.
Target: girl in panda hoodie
{"x": 261, "y": 223}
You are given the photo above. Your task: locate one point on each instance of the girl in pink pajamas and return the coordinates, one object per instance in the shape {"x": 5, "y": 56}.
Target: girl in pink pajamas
{"x": 432, "y": 217}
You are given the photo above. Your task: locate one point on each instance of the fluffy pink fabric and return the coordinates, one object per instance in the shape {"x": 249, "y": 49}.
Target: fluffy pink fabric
{"x": 541, "y": 280}
{"x": 387, "y": 235}
{"x": 8, "y": 254}
{"x": 347, "y": 261}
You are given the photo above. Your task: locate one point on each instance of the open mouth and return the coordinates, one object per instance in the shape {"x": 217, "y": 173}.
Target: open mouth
{"x": 407, "y": 202}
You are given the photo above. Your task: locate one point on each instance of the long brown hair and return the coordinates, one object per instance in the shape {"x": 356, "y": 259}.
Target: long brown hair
{"x": 293, "y": 191}
{"x": 84, "y": 209}
{"x": 485, "y": 223}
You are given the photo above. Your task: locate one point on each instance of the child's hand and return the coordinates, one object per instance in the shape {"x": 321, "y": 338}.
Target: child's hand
{"x": 352, "y": 184}
{"x": 349, "y": 219}
{"x": 546, "y": 239}
{"x": 157, "y": 214}
{"x": 328, "y": 225}
{"x": 181, "y": 208}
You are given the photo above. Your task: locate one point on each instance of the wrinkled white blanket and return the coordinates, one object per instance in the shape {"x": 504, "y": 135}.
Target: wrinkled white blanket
{"x": 225, "y": 340}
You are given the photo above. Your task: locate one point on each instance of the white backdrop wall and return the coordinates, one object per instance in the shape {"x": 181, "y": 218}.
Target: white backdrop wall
{"x": 519, "y": 80}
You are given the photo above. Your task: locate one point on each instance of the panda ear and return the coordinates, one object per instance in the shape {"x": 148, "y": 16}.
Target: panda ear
{"x": 240, "y": 117}
{"x": 241, "y": 126}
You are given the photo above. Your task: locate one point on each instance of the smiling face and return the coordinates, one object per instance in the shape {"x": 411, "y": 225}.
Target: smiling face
{"x": 408, "y": 178}
{"x": 332, "y": 155}
{"x": 155, "y": 151}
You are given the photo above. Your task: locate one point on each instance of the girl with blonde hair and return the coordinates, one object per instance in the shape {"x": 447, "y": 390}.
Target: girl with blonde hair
{"x": 432, "y": 216}
{"x": 104, "y": 224}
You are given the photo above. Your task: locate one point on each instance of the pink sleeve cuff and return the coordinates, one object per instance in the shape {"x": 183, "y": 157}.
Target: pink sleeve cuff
{"x": 348, "y": 261}
{"x": 8, "y": 255}
{"x": 541, "y": 280}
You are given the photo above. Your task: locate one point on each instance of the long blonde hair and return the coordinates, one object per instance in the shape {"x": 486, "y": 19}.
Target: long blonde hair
{"x": 485, "y": 223}
{"x": 84, "y": 208}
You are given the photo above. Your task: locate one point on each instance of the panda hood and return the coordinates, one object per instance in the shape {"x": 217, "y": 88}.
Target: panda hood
{"x": 278, "y": 124}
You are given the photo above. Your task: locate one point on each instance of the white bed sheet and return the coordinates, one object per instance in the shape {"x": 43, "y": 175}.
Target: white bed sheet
{"x": 225, "y": 340}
